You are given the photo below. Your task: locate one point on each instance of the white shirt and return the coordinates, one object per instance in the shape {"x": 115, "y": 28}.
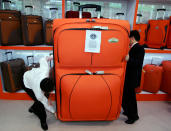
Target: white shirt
{"x": 32, "y": 81}
{"x": 133, "y": 44}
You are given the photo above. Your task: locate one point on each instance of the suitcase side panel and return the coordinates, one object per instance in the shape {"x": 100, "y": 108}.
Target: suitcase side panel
{"x": 6, "y": 79}
{"x": 169, "y": 36}
{"x": 48, "y": 32}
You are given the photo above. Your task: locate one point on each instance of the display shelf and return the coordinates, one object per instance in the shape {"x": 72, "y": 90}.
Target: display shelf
{"x": 21, "y": 47}
{"x": 149, "y": 50}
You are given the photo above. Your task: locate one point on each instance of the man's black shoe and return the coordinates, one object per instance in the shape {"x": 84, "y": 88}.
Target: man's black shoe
{"x": 31, "y": 110}
{"x": 44, "y": 125}
{"x": 131, "y": 121}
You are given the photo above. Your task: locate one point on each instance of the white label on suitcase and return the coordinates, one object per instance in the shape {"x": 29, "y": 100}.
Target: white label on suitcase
{"x": 93, "y": 41}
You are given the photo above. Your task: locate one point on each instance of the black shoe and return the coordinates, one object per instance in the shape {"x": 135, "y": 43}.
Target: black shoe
{"x": 31, "y": 110}
{"x": 44, "y": 125}
{"x": 131, "y": 121}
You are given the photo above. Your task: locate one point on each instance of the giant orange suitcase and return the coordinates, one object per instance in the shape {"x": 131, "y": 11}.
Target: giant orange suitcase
{"x": 169, "y": 36}
{"x": 152, "y": 78}
{"x": 89, "y": 85}
{"x": 166, "y": 79}
{"x": 157, "y": 32}
{"x": 142, "y": 29}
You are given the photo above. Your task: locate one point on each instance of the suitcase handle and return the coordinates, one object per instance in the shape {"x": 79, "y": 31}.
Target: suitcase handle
{"x": 28, "y": 6}
{"x": 161, "y": 10}
{"x": 8, "y": 52}
{"x": 6, "y": 1}
{"x": 97, "y": 7}
{"x": 31, "y": 56}
{"x": 53, "y": 8}
{"x": 139, "y": 15}
{"x": 76, "y": 3}
{"x": 139, "y": 18}
{"x": 119, "y": 13}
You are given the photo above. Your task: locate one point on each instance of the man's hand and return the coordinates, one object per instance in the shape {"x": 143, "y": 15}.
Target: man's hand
{"x": 56, "y": 115}
{"x": 127, "y": 57}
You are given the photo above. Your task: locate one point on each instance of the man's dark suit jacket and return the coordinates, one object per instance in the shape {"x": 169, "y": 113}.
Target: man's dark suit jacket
{"x": 134, "y": 66}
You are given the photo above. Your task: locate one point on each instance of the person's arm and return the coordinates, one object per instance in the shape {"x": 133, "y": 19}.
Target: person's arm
{"x": 44, "y": 62}
{"x": 40, "y": 96}
{"x": 137, "y": 59}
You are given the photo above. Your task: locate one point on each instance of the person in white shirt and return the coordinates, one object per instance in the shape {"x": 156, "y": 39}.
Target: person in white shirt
{"x": 38, "y": 85}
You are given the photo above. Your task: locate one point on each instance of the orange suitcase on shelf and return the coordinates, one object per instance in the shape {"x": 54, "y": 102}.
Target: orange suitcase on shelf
{"x": 142, "y": 28}
{"x": 152, "y": 78}
{"x": 89, "y": 85}
{"x": 169, "y": 36}
{"x": 157, "y": 32}
{"x": 140, "y": 88}
{"x": 166, "y": 80}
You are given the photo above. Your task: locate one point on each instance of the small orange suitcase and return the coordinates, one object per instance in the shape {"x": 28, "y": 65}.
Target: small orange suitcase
{"x": 142, "y": 28}
{"x": 140, "y": 88}
{"x": 152, "y": 78}
{"x": 157, "y": 32}
{"x": 169, "y": 36}
{"x": 166, "y": 80}
{"x": 93, "y": 95}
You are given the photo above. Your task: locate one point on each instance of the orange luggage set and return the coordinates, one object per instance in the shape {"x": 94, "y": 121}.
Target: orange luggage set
{"x": 156, "y": 33}
{"x": 89, "y": 85}
{"x": 155, "y": 78}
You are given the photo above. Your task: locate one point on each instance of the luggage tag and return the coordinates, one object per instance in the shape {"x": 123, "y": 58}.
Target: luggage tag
{"x": 93, "y": 41}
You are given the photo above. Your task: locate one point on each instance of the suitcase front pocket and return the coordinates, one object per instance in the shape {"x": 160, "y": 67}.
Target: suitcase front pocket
{"x": 89, "y": 97}
{"x": 35, "y": 35}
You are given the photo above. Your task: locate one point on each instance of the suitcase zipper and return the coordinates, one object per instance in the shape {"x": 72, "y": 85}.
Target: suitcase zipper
{"x": 79, "y": 74}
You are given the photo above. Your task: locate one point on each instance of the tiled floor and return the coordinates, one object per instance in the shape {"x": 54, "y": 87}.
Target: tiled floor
{"x": 154, "y": 116}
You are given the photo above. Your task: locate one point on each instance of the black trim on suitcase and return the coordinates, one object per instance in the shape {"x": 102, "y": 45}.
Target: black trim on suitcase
{"x": 148, "y": 27}
{"x": 166, "y": 27}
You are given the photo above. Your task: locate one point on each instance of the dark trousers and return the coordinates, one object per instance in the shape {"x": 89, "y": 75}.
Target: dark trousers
{"x": 129, "y": 102}
{"x": 38, "y": 108}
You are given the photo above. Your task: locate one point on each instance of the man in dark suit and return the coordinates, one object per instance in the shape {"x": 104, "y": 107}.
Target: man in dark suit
{"x": 132, "y": 78}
